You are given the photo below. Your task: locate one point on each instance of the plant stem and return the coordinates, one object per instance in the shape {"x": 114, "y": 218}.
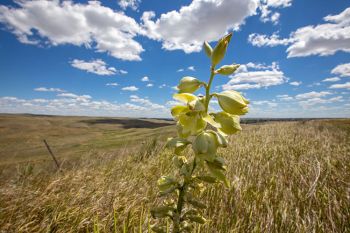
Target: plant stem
{"x": 183, "y": 188}
{"x": 181, "y": 200}
{"x": 207, "y": 88}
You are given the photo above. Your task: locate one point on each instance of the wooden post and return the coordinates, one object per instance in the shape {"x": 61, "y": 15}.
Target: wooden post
{"x": 52, "y": 155}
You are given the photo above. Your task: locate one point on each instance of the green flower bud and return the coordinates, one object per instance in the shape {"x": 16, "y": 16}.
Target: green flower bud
{"x": 196, "y": 105}
{"x": 179, "y": 161}
{"x": 185, "y": 97}
{"x": 208, "y": 179}
{"x": 205, "y": 145}
{"x": 179, "y": 109}
{"x": 220, "y": 49}
{"x": 183, "y": 133}
{"x": 232, "y": 102}
{"x": 188, "y": 85}
{"x": 218, "y": 174}
{"x": 197, "y": 204}
{"x": 192, "y": 123}
{"x": 165, "y": 182}
{"x": 229, "y": 123}
{"x": 207, "y": 48}
{"x": 162, "y": 211}
{"x": 197, "y": 219}
{"x": 227, "y": 69}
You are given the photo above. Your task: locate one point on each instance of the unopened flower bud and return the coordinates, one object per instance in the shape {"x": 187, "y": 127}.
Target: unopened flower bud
{"x": 220, "y": 49}
{"x": 205, "y": 144}
{"x": 188, "y": 85}
{"x": 232, "y": 102}
{"x": 207, "y": 48}
{"x": 227, "y": 69}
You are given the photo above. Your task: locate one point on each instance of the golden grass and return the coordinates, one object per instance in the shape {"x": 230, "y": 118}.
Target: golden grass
{"x": 286, "y": 177}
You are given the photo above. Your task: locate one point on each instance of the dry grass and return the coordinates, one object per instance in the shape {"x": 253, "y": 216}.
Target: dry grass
{"x": 286, "y": 177}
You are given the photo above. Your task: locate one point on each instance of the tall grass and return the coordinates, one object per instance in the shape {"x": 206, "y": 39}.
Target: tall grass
{"x": 286, "y": 177}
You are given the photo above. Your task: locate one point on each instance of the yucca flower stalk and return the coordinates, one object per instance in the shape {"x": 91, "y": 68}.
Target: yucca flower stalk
{"x": 193, "y": 117}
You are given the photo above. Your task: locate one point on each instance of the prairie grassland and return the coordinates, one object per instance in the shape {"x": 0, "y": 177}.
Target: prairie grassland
{"x": 286, "y": 177}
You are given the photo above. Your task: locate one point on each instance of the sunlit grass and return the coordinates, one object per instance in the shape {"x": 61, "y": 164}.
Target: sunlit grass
{"x": 286, "y": 177}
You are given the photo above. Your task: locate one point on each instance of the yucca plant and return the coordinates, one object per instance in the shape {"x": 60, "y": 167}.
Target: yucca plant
{"x": 205, "y": 132}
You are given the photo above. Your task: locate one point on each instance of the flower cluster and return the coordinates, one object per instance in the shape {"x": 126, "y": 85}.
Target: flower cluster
{"x": 204, "y": 132}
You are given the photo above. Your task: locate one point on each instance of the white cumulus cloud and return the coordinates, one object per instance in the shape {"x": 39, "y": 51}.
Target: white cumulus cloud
{"x": 255, "y": 79}
{"x": 343, "y": 70}
{"x": 201, "y": 20}
{"x": 145, "y": 79}
{"x": 333, "y": 79}
{"x": 341, "y": 86}
{"x": 97, "y": 66}
{"x": 312, "y": 94}
{"x": 130, "y": 88}
{"x": 133, "y": 4}
{"x": 323, "y": 39}
{"x": 295, "y": 83}
{"x": 51, "y": 89}
{"x": 64, "y": 22}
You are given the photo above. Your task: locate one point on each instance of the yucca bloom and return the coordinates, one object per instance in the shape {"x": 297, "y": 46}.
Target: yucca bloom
{"x": 229, "y": 124}
{"x": 189, "y": 116}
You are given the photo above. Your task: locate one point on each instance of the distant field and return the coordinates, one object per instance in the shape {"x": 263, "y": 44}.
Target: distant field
{"x": 286, "y": 176}
{"x": 21, "y": 136}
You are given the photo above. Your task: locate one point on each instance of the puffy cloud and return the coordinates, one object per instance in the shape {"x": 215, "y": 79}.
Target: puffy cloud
{"x": 343, "y": 69}
{"x": 81, "y": 98}
{"x": 314, "y": 101}
{"x": 130, "y": 88}
{"x": 295, "y": 83}
{"x": 146, "y": 102}
{"x": 64, "y": 22}
{"x": 51, "y": 89}
{"x": 333, "y": 79}
{"x": 201, "y": 20}
{"x": 266, "y": 12}
{"x": 191, "y": 68}
{"x": 145, "y": 79}
{"x": 285, "y": 97}
{"x": 245, "y": 79}
{"x": 149, "y": 85}
{"x": 312, "y": 94}
{"x": 341, "y": 86}
{"x": 264, "y": 103}
{"x": 97, "y": 66}
{"x": 133, "y": 4}
{"x": 323, "y": 39}
{"x": 263, "y": 40}
{"x": 112, "y": 84}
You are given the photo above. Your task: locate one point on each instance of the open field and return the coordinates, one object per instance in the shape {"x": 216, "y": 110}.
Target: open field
{"x": 286, "y": 176}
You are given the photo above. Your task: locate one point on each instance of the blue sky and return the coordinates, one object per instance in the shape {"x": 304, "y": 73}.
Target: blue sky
{"x": 124, "y": 58}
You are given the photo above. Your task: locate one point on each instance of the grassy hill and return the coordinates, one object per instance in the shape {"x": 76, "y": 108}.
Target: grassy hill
{"x": 286, "y": 176}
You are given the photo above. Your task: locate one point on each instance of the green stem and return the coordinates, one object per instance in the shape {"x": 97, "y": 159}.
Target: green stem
{"x": 181, "y": 200}
{"x": 207, "y": 88}
{"x": 183, "y": 188}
